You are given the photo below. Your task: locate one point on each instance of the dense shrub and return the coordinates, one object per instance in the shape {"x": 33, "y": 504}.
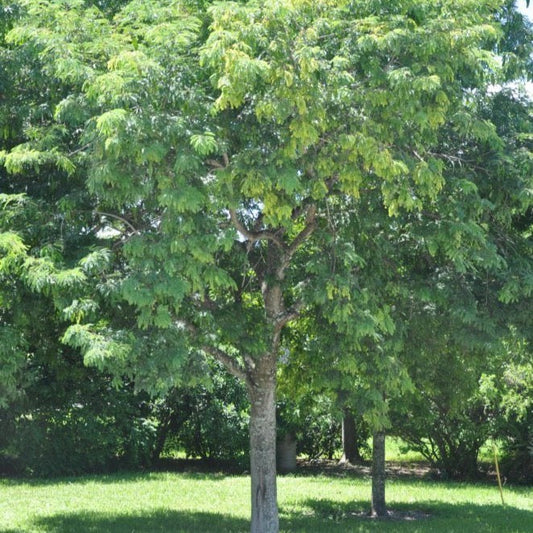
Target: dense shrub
{"x": 315, "y": 423}
{"x": 444, "y": 417}
{"x": 206, "y": 421}
{"x": 508, "y": 395}
{"x": 73, "y": 420}
{"x": 517, "y": 447}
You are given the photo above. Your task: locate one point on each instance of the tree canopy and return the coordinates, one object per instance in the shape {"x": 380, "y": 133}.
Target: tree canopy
{"x": 211, "y": 162}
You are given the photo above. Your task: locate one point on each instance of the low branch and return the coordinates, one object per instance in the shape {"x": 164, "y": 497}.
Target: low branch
{"x": 231, "y": 364}
{"x": 254, "y": 236}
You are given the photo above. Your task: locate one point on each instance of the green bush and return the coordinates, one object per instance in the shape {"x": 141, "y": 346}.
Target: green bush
{"x": 444, "y": 417}
{"x": 73, "y": 420}
{"x": 315, "y": 423}
{"x": 517, "y": 446}
{"x": 210, "y": 422}
{"x": 508, "y": 395}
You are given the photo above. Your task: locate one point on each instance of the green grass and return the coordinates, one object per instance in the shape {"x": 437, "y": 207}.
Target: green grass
{"x": 185, "y": 502}
{"x": 396, "y": 450}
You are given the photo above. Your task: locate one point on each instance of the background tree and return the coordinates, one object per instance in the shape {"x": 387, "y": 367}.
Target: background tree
{"x": 507, "y": 395}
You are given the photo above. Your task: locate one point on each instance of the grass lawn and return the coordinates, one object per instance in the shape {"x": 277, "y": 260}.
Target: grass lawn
{"x": 199, "y": 502}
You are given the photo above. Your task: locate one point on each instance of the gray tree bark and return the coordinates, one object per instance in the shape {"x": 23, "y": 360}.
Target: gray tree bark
{"x": 262, "y": 392}
{"x": 379, "y": 507}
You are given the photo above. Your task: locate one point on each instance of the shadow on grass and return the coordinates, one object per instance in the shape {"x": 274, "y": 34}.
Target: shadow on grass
{"x": 153, "y": 521}
{"x": 423, "y": 516}
{"x": 324, "y": 516}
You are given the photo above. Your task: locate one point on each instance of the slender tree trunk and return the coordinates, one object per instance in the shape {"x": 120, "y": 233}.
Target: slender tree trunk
{"x": 349, "y": 439}
{"x": 286, "y": 454}
{"x": 379, "y": 507}
{"x": 161, "y": 437}
{"x": 262, "y": 392}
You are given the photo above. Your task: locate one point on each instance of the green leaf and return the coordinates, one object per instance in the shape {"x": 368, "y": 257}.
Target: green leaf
{"x": 204, "y": 144}
{"x": 112, "y": 122}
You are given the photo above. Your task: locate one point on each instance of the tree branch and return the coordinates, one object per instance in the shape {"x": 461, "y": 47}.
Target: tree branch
{"x": 117, "y": 217}
{"x": 231, "y": 365}
{"x": 290, "y": 314}
{"x": 254, "y": 236}
{"x": 217, "y": 164}
{"x": 310, "y": 224}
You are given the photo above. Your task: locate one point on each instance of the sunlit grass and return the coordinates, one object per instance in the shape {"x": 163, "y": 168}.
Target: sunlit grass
{"x": 180, "y": 502}
{"x": 396, "y": 450}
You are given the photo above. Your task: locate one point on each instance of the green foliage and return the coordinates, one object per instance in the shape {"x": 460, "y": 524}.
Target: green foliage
{"x": 508, "y": 393}
{"x": 208, "y": 421}
{"x": 314, "y": 421}
{"x": 12, "y": 359}
{"x": 12, "y": 249}
{"x": 67, "y": 419}
{"x": 228, "y": 168}
{"x": 61, "y": 441}
{"x": 96, "y": 346}
{"x": 444, "y": 419}
{"x": 281, "y": 107}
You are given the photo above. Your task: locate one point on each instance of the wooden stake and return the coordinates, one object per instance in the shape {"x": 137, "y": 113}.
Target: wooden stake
{"x": 498, "y": 473}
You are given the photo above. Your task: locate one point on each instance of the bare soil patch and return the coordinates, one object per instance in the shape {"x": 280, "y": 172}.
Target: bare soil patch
{"x": 395, "y": 470}
{"x": 395, "y": 515}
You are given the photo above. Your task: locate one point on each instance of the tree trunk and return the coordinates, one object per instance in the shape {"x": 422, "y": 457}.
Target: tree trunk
{"x": 161, "y": 438}
{"x": 263, "y": 449}
{"x": 349, "y": 440}
{"x": 379, "y": 507}
{"x": 286, "y": 454}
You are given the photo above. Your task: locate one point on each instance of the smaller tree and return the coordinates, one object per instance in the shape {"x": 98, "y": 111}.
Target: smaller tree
{"x": 444, "y": 417}
{"x": 508, "y": 394}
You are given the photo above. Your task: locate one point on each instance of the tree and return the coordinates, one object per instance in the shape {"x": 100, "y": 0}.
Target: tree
{"x": 353, "y": 437}
{"x": 223, "y": 161}
{"x": 507, "y": 394}
{"x": 474, "y": 292}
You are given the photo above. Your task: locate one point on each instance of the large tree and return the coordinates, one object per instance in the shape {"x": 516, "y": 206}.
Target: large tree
{"x": 230, "y": 146}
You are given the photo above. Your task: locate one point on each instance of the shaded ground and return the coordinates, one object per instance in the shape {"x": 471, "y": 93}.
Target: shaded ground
{"x": 395, "y": 469}
{"x": 394, "y": 515}
{"x": 328, "y": 467}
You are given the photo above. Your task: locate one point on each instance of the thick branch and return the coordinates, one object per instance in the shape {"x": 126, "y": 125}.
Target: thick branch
{"x": 232, "y": 366}
{"x": 230, "y": 363}
{"x": 290, "y": 314}
{"x": 217, "y": 164}
{"x": 254, "y": 236}
{"x": 310, "y": 225}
